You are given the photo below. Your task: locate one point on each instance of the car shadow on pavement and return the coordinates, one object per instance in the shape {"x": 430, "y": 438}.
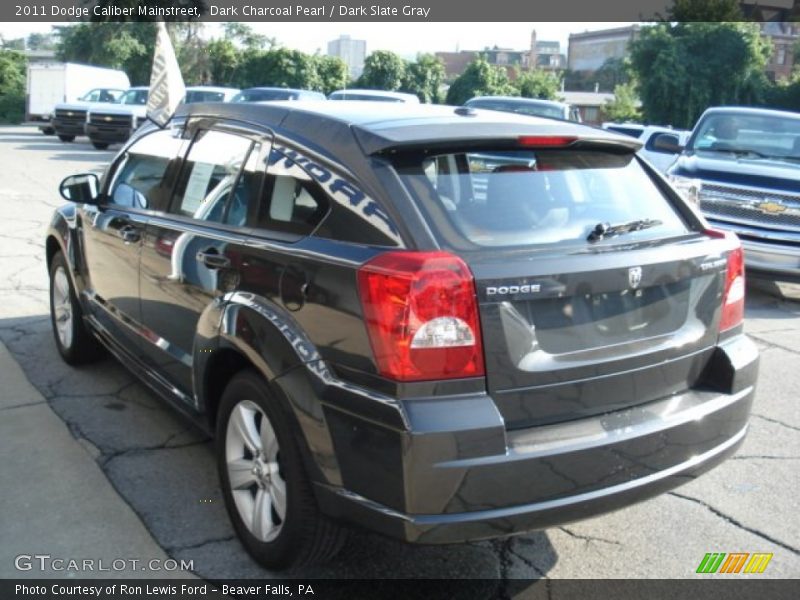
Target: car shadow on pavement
{"x": 164, "y": 468}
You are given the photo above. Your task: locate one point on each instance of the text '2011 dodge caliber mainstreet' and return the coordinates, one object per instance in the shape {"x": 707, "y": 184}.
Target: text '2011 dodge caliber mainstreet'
{"x": 438, "y": 323}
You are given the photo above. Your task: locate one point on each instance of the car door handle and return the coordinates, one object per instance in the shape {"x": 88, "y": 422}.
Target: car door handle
{"x": 213, "y": 260}
{"x": 130, "y": 234}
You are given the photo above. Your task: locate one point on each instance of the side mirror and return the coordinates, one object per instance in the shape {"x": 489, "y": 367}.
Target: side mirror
{"x": 668, "y": 143}
{"x": 83, "y": 188}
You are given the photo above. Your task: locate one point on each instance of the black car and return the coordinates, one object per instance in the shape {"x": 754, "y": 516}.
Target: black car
{"x": 741, "y": 166}
{"x": 431, "y": 322}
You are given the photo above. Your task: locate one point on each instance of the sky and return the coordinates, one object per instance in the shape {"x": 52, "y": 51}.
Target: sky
{"x": 406, "y": 39}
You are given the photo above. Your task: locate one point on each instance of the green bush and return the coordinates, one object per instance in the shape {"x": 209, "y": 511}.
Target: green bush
{"x": 12, "y": 86}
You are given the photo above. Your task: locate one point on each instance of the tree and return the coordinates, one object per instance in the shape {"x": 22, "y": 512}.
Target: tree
{"x": 684, "y": 68}
{"x": 12, "y": 85}
{"x": 247, "y": 38}
{"x": 126, "y": 46}
{"x": 538, "y": 83}
{"x": 383, "y": 70}
{"x": 425, "y": 77}
{"x": 332, "y": 73}
{"x": 223, "y": 61}
{"x": 480, "y": 79}
{"x": 705, "y": 11}
{"x": 624, "y": 106}
{"x": 41, "y": 41}
{"x": 280, "y": 67}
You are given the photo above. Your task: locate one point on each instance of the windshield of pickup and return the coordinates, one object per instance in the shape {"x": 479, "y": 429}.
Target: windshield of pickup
{"x": 743, "y": 135}
{"x": 138, "y": 97}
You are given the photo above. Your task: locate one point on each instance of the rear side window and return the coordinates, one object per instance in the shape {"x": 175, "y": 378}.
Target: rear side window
{"x": 537, "y": 198}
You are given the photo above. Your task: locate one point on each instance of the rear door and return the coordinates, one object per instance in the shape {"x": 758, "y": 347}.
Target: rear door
{"x": 190, "y": 249}
{"x": 576, "y": 324}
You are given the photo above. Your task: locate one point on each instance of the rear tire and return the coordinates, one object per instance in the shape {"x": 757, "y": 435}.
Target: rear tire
{"x": 67, "y": 138}
{"x": 270, "y": 504}
{"x": 100, "y": 145}
{"x": 75, "y": 343}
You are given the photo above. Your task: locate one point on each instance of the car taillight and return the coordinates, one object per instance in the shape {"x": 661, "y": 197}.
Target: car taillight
{"x": 422, "y": 316}
{"x": 733, "y": 295}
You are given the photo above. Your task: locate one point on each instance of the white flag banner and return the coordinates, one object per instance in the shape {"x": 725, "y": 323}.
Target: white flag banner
{"x": 166, "y": 83}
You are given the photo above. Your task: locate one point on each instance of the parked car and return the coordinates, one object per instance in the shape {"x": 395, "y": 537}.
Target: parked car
{"x": 741, "y": 166}
{"x": 661, "y": 157}
{"x": 69, "y": 118}
{"x": 374, "y": 96}
{"x": 269, "y": 94}
{"x": 438, "y": 324}
{"x": 114, "y": 124}
{"x": 49, "y": 83}
{"x": 209, "y": 93}
{"x": 527, "y": 106}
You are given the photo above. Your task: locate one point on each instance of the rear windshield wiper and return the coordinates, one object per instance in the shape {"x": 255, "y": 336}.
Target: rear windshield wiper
{"x": 604, "y": 230}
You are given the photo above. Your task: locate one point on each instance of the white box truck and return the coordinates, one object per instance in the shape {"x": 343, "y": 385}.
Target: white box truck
{"x": 53, "y": 82}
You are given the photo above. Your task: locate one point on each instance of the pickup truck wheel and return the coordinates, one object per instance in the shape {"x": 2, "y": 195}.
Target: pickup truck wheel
{"x": 67, "y": 138}
{"x": 267, "y": 492}
{"x": 74, "y": 341}
{"x": 100, "y": 145}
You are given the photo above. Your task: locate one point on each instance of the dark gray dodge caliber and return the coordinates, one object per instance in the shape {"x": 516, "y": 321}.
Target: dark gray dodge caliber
{"x": 437, "y": 323}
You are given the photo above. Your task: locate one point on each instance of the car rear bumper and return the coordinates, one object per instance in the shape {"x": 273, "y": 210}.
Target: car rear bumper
{"x": 108, "y": 134}
{"x": 455, "y": 474}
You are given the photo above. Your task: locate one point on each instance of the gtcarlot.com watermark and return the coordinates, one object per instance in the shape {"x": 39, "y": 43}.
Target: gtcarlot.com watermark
{"x": 46, "y": 562}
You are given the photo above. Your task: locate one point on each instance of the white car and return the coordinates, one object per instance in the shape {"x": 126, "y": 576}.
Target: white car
{"x": 374, "y": 96}
{"x": 69, "y": 118}
{"x": 659, "y": 157}
{"x": 114, "y": 123}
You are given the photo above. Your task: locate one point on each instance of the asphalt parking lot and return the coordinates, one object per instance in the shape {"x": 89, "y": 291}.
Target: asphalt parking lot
{"x": 165, "y": 471}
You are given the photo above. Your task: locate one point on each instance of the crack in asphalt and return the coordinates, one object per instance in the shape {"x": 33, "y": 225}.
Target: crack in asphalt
{"x": 763, "y": 457}
{"x": 737, "y": 524}
{"x": 776, "y": 421}
{"x": 588, "y": 538}
{"x": 771, "y": 344}
{"x": 13, "y": 406}
{"x": 173, "y": 549}
{"x": 107, "y": 457}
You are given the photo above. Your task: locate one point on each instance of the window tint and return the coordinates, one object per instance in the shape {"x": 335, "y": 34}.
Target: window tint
{"x": 634, "y": 132}
{"x": 210, "y": 187}
{"x": 303, "y": 195}
{"x": 203, "y": 96}
{"x": 528, "y": 198}
{"x": 139, "y": 180}
{"x": 293, "y": 201}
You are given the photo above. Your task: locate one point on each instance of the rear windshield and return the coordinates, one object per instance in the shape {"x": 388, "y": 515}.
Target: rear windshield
{"x": 631, "y": 131}
{"x": 263, "y": 95}
{"x": 203, "y": 96}
{"x": 532, "y": 198}
{"x": 552, "y": 111}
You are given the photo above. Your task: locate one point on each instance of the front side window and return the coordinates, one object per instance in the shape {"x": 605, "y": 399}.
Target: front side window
{"x": 135, "y": 97}
{"x": 537, "y": 197}
{"x": 140, "y": 177}
{"x": 217, "y": 178}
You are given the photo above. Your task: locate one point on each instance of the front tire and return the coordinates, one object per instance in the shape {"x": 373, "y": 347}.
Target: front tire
{"x": 267, "y": 492}
{"x": 74, "y": 341}
{"x": 67, "y": 138}
{"x": 100, "y": 145}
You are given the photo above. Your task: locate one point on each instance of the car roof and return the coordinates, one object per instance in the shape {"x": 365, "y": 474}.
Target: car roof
{"x": 376, "y": 93}
{"x": 210, "y": 88}
{"x": 517, "y": 100}
{"x": 380, "y": 127}
{"x": 751, "y": 110}
{"x": 273, "y": 89}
